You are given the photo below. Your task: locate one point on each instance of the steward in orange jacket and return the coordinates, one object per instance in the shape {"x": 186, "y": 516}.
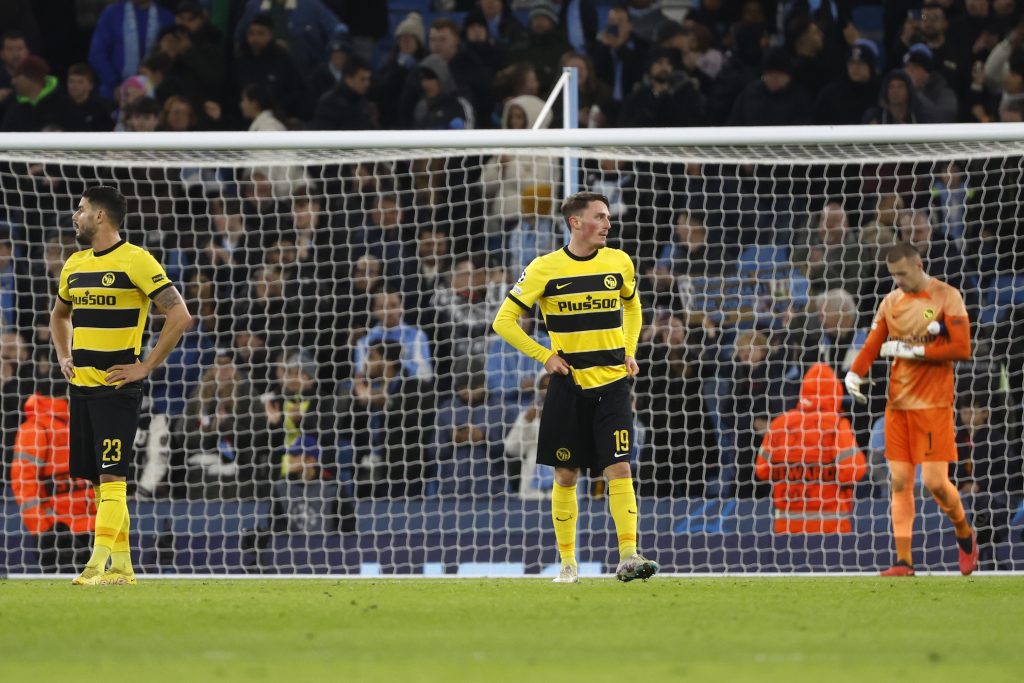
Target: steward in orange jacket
{"x": 54, "y": 507}
{"x": 810, "y": 456}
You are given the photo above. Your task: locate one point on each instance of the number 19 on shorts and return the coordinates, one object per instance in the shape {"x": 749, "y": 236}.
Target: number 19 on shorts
{"x": 621, "y": 440}
{"x": 111, "y": 450}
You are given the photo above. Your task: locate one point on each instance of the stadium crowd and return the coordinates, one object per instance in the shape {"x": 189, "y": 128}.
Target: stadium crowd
{"x": 343, "y": 311}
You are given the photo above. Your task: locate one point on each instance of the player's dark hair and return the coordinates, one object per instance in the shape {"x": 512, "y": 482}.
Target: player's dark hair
{"x": 110, "y": 200}
{"x": 900, "y": 251}
{"x": 577, "y": 203}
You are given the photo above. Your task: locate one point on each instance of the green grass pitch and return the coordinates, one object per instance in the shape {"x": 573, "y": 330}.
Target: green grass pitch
{"x": 968, "y": 630}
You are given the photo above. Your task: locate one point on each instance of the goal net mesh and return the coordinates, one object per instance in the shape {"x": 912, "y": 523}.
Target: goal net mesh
{"x": 343, "y": 406}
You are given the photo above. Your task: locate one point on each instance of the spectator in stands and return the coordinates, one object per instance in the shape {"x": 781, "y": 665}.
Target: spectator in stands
{"x": 60, "y": 512}
{"x": 663, "y": 101}
{"x": 15, "y": 375}
{"x": 594, "y": 95}
{"x": 465, "y": 308}
{"x": 251, "y": 352}
{"x": 671, "y": 406}
{"x": 511, "y": 375}
{"x": 949, "y": 60}
{"x": 507, "y": 179}
{"x": 416, "y": 358}
{"x": 830, "y": 248}
{"x": 389, "y": 80}
{"x": 302, "y": 407}
{"x": 178, "y": 115}
{"x": 461, "y": 76}
{"x": 684, "y": 267}
{"x": 742, "y": 66}
{"x": 39, "y": 103}
{"x": 543, "y": 45}
{"x": 477, "y": 40}
{"x": 756, "y": 395}
{"x": 13, "y": 49}
{"x": 531, "y": 482}
{"x": 346, "y": 106}
{"x": 936, "y": 100}
{"x": 815, "y": 62}
{"x": 197, "y": 53}
{"x": 897, "y": 101}
{"x": 328, "y": 74}
{"x": 578, "y": 19}
{"x": 515, "y": 80}
{"x": 257, "y": 105}
{"x": 620, "y": 56}
{"x": 383, "y": 236}
{"x": 702, "y": 51}
{"x": 647, "y": 18}
{"x": 502, "y": 25}
{"x": 261, "y": 60}
{"x": 304, "y": 28}
{"x": 16, "y": 287}
{"x": 126, "y": 32}
{"x": 810, "y": 456}
{"x": 987, "y": 469}
{"x": 974, "y": 33}
{"x": 440, "y": 107}
{"x": 95, "y": 112}
{"x": 225, "y": 428}
{"x": 132, "y": 90}
{"x": 356, "y": 304}
{"x": 392, "y": 414}
{"x": 844, "y": 102}
{"x": 143, "y": 116}
{"x": 774, "y": 100}
{"x": 998, "y": 61}
{"x": 471, "y": 427}
{"x": 432, "y": 263}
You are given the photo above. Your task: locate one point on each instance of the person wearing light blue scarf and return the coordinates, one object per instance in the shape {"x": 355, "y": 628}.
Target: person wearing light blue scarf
{"x": 125, "y": 34}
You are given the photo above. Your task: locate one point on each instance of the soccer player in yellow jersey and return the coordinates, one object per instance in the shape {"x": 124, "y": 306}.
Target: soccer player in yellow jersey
{"x": 97, "y": 325}
{"x": 587, "y": 294}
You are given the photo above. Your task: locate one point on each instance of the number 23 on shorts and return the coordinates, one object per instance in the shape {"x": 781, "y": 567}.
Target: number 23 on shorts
{"x": 111, "y": 450}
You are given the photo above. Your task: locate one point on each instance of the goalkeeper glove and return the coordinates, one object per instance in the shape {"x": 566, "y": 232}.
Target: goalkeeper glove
{"x": 853, "y": 382}
{"x": 898, "y": 349}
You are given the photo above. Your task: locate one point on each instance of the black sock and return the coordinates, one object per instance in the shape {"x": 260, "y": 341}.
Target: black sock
{"x": 904, "y": 563}
{"x": 965, "y": 543}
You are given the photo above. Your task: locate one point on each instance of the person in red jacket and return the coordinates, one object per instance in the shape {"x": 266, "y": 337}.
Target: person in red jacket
{"x": 810, "y": 456}
{"x": 58, "y": 510}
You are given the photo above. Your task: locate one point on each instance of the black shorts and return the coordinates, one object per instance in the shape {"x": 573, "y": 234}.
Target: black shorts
{"x": 583, "y": 431}
{"x": 102, "y": 432}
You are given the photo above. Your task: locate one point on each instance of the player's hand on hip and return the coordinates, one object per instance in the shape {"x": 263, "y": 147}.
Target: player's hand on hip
{"x": 557, "y": 365}
{"x": 119, "y": 375}
{"x": 632, "y": 369}
{"x": 899, "y": 349}
{"x": 853, "y": 382}
{"x": 67, "y": 368}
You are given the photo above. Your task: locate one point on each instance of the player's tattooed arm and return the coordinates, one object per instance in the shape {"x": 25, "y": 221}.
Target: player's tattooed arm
{"x": 168, "y": 299}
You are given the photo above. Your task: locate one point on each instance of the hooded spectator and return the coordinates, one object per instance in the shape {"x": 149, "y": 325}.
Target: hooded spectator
{"x": 440, "y": 107}
{"x": 845, "y": 101}
{"x": 896, "y": 101}
{"x": 40, "y": 104}
{"x": 774, "y": 100}
{"x": 936, "y": 99}
{"x": 391, "y": 77}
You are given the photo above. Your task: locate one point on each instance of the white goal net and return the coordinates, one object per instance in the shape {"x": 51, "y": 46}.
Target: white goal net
{"x": 342, "y": 405}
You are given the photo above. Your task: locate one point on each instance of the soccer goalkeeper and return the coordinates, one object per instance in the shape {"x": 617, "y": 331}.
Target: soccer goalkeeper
{"x": 919, "y": 417}
{"x": 587, "y": 293}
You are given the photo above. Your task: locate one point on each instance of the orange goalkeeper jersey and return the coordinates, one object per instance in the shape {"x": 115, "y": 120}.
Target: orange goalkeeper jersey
{"x": 920, "y": 382}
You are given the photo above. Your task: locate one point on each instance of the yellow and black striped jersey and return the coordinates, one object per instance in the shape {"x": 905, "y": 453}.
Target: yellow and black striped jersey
{"x": 109, "y": 293}
{"x": 582, "y": 300}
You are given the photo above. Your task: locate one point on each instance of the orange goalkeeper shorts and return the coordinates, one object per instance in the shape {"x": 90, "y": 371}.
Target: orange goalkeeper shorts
{"x": 923, "y": 435}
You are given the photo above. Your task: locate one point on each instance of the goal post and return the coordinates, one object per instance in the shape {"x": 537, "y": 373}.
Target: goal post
{"x": 343, "y": 407}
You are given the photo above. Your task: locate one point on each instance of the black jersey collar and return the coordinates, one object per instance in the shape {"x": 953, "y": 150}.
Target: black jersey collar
{"x": 574, "y": 257}
{"x": 109, "y": 249}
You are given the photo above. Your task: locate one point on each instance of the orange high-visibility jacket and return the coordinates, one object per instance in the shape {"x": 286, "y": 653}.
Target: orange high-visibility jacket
{"x": 810, "y": 455}
{"x": 39, "y": 476}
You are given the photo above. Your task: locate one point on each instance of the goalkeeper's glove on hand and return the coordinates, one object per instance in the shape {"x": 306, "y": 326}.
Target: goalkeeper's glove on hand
{"x": 898, "y": 349}
{"x": 853, "y": 382}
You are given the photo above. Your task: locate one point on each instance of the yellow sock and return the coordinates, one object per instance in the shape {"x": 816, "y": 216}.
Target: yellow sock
{"x": 622, "y": 502}
{"x": 121, "y": 555}
{"x": 109, "y": 515}
{"x": 564, "y": 511}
